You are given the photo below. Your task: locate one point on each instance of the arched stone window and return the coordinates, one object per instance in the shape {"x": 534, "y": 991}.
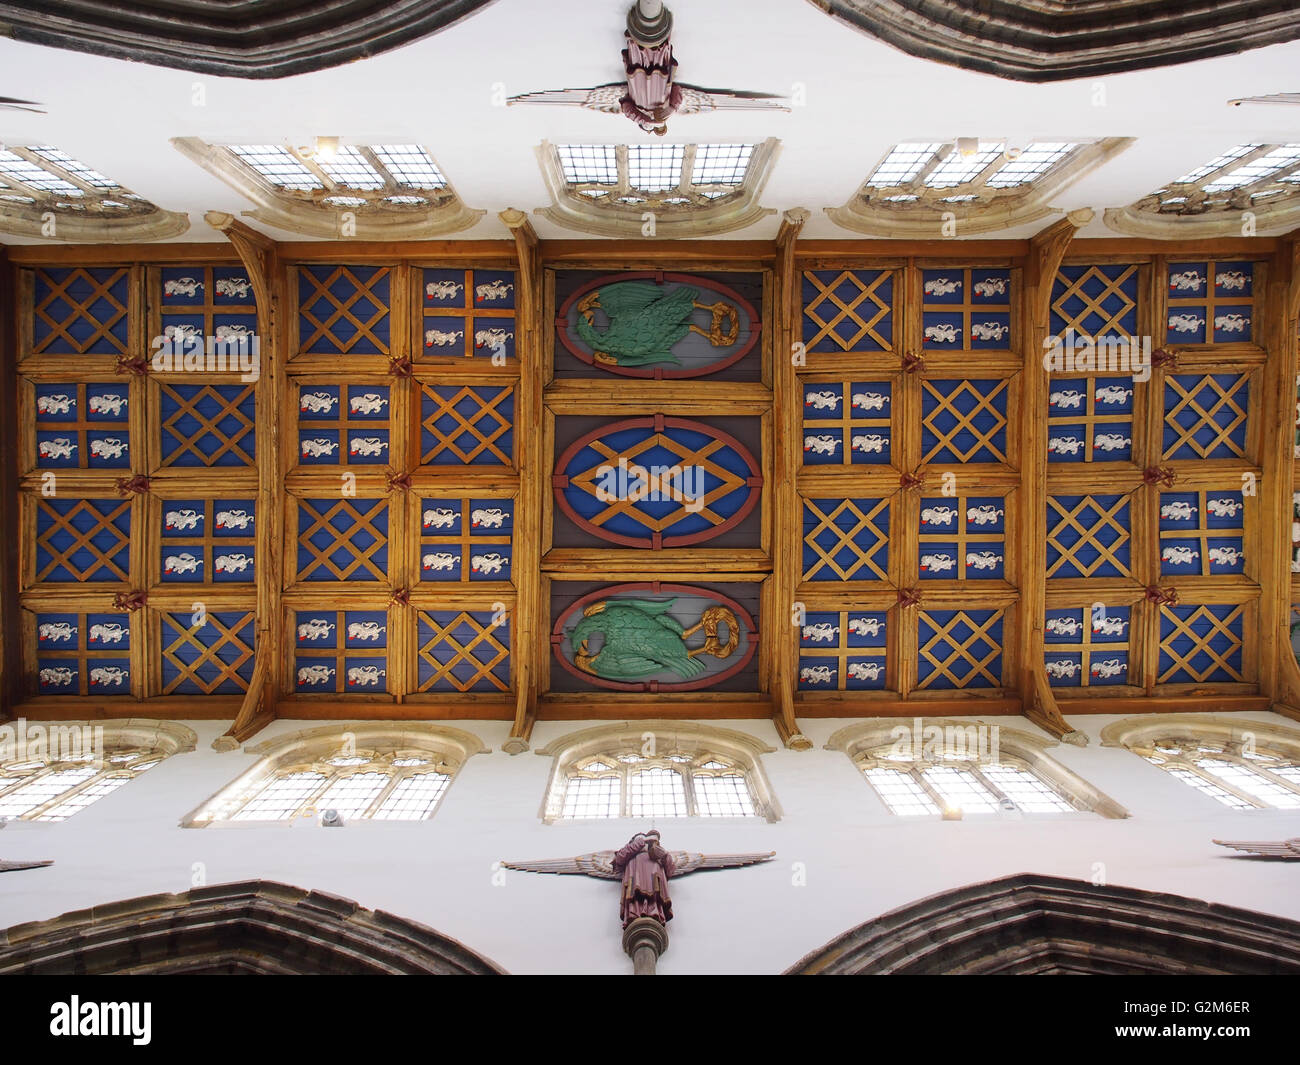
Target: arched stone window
{"x": 655, "y": 769}
{"x": 1208, "y": 201}
{"x": 693, "y": 189}
{"x": 386, "y": 191}
{"x": 40, "y": 185}
{"x": 50, "y": 771}
{"x": 957, "y": 767}
{"x": 979, "y": 185}
{"x": 1248, "y": 765}
{"x": 377, "y": 772}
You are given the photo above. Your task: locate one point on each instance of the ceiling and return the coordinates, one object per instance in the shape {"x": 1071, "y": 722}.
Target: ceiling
{"x": 862, "y": 97}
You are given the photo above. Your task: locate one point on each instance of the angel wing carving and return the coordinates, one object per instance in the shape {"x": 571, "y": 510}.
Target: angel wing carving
{"x": 1287, "y": 848}
{"x": 601, "y": 863}
{"x": 597, "y": 863}
{"x": 695, "y": 100}
{"x": 8, "y": 103}
{"x": 1272, "y": 98}
{"x": 691, "y": 861}
{"x": 9, "y": 867}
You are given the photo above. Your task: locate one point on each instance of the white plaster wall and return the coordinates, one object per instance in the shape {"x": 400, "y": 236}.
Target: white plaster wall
{"x": 860, "y": 860}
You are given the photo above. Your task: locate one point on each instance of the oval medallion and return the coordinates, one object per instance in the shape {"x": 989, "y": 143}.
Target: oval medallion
{"x": 658, "y": 325}
{"x": 656, "y": 482}
{"x": 654, "y": 637}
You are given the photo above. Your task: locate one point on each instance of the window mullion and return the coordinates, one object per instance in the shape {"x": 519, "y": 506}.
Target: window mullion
{"x": 1219, "y": 782}
{"x": 394, "y": 776}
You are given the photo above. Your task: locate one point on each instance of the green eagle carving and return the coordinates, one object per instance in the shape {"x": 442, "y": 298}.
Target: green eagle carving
{"x": 642, "y": 638}
{"x": 646, "y": 321}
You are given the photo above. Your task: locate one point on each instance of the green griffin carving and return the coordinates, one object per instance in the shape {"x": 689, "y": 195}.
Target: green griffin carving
{"x": 645, "y": 321}
{"x": 642, "y": 638}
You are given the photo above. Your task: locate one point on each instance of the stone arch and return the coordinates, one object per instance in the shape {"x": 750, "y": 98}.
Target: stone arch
{"x": 1029, "y": 924}
{"x": 256, "y": 927}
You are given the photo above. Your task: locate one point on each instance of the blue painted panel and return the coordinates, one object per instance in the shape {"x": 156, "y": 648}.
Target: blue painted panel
{"x": 78, "y": 320}
{"x": 111, "y": 538}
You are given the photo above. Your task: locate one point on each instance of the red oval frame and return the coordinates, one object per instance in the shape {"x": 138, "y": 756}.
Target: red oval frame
{"x": 657, "y": 422}
{"x": 659, "y": 277}
{"x": 657, "y": 588}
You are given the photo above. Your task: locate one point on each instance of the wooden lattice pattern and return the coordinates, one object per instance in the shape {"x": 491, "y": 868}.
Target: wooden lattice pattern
{"x": 345, "y": 308}
{"x": 962, "y": 660}
{"x": 952, "y": 435}
{"x": 1198, "y": 627}
{"x": 724, "y": 482}
{"x": 481, "y": 435}
{"x": 81, "y": 311}
{"x": 349, "y": 529}
{"x": 858, "y": 527}
{"x": 221, "y": 649}
{"x": 99, "y": 536}
{"x": 1099, "y": 524}
{"x": 225, "y": 437}
{"x": 859, "y": 319}
{"x": 1213, "y": 407}
{"x": 1110, "y": 310}
{"x": 463, "y": 653}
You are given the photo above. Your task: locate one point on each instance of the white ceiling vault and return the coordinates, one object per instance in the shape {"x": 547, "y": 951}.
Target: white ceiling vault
{"x": 862, "y": 97}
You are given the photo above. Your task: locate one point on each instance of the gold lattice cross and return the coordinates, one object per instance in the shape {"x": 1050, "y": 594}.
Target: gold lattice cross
{"x": 1107, "y": 518}
{"x": 864, "y": 523}
{"x": 961, "y": 650}
{"x": 229, "y": 408}
{"x": 1111, "y": 286}
{"x": 486, "y": 442}
{"x": 342, "y": 309}
{"x": 1188, "y": 400}
{"x": 227, "y": 635}
{"x": 442, "y": 640}
{"x": 865, "y": 298}
{"x": 945, "y": 439}
{"x": 102, "y": 523}
{"x": 1200, "y": 643}
{"x": 81, "y": 310}
{"x": 361, "y": 556}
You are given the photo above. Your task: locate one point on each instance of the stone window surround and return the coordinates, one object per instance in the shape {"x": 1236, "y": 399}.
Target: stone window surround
{"x": 1026, "y": 751}
{"x": 285, "y": 210}
{"x": 573, "y": 211}
{"x": 1135, "y": 733}
{"x": 1003, "y": 210}
{"x": 671, "y": 737}
{"x": 299, "y": 750}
